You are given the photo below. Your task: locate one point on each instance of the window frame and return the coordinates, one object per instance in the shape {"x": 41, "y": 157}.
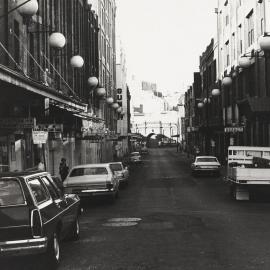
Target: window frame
{"x": 43, "y": 185}
{"x": 23, "y": 193}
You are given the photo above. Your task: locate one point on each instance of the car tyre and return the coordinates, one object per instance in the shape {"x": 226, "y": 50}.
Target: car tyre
{"x": 53, "y": 254}
{"x": 75, "y": 230}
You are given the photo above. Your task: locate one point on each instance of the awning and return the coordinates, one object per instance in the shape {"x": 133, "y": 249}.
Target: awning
{"x": 17, "y": 79}
{"x": 256, "y": 104}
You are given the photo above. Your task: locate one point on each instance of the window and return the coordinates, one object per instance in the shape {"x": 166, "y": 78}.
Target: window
{"x": 88, "y": 171}
{"x": 240, "y": 38}
{"x": 52, "y": 190}
{"x": 250, "y": 25}
{"x": 227, "y": 54}
{"x": 38, "y": 191}
{"x": 116, "y": 167}
{"x": 16, "y": 42}
{"x": 11, "y": 192}
{"x": 233, "y": 47}
{"x": 254, "y": 153}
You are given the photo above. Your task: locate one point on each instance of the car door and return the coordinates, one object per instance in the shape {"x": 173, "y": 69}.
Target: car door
{"x": 48, "y": 209}
{"x": 67, "y": 214}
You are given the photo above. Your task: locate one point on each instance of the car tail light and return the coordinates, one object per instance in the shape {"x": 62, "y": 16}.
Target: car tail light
{"x": 109, "y": 185}
{"x": 36, "y": 223}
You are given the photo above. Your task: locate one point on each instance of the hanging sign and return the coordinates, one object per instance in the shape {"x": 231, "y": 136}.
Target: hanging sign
{"x": 39, "y": 137}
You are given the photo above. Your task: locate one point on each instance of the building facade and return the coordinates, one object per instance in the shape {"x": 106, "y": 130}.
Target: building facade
{"x": 234, "y": 69}
{"x": 106, "y": 11}
{"x": 47, "y": 109}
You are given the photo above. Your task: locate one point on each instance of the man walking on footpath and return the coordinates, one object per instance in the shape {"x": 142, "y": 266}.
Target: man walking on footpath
{"x": 63, "y": 169}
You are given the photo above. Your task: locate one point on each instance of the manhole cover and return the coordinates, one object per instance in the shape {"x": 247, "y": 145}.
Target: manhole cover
{"x": 124, "y": 219}
{"x": 122, "y": 222}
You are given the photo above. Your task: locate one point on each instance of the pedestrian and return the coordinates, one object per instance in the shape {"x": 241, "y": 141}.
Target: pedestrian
{"x": 177, "y": 146}
{"x": 63, "y": 169}
{"x": 40, "y": 166}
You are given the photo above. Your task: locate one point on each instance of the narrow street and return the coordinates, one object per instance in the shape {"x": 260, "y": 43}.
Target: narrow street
{"x": 185, "y": 223}
{"x": 166, "y": 219}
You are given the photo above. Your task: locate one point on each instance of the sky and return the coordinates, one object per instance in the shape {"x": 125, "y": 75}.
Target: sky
{"x": 163, "y": 40}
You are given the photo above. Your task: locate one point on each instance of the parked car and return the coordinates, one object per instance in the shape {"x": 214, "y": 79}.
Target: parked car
{"x": 135, "y": 158}
{"x": 144, "y": 151}
{"x": 120, "y": 171}
{"x": 92, "y": 180}
{"x": 35, "y": 216}
{"x": 206, "y": 164}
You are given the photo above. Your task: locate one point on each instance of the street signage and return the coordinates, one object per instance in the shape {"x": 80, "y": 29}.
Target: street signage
{"x": 39, "y": 137}
{"x": 49, "y": 127}
{"x": 17, "y": 123}
{"x": 233, "y": 129}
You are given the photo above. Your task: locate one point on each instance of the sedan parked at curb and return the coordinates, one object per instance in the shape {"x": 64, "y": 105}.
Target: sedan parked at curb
{"x": 92, "y": 180}
{"x": 206, "y": 164}
{"x": 35, "y": 216}
{"x": 121, "y": 172}
{"x": 135, "y": 158}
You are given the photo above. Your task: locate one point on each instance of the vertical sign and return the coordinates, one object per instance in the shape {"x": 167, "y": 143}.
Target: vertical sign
{"x": 47, "y": 106}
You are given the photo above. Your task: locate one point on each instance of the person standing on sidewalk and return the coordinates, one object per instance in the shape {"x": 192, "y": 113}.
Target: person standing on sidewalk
{"x": 63, "y": 169}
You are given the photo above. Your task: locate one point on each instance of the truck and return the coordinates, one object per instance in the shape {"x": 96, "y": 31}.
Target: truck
{"x": 248, "y": 169}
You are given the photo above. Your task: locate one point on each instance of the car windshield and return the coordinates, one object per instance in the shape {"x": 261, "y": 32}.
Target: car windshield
{"x": 88, "y": 171}
{"x": 10, "y": 192}
{"x": 206, "y": 159}
{"x": 135, "y": 154}
{"x": 116, "y": 167}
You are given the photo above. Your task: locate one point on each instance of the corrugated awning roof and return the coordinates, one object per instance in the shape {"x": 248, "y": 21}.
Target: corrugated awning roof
{"x": 257, "y": 104}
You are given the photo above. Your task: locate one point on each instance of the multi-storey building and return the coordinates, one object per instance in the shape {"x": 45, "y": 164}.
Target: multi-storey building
{"x": 235, "y": 88}
{"x": 123, "y": 122}
{"x": 44, "y": 89}
{"x": 106, "y": 10}
{"x": 242, "y": 26}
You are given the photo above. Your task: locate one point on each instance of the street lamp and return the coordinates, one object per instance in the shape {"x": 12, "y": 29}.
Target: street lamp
{"x": 92, "y": 82}
{"x": 109, "y": 100}
{"x": 27, "y": 8}
{"x": 57, "y": 40}
{"x": 76, "y": 61}
{"x": 226, "y": 81}
{"x": 101, "y": 92}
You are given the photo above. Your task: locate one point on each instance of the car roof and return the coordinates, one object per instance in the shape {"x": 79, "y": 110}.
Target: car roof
{"x": 21, "y": 174}
{"x": 206, "y": 157}
{"x": 116, "y": 163}
{"x": 135, "y": 153}
{"x": 96, "y": 165}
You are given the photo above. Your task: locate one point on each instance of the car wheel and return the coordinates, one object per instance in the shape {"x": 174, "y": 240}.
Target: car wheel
{"x": 53, "y": 251}
{"x": 75, "y": 230}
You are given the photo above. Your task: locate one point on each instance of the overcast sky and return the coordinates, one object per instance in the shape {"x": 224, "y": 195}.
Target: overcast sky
{"x": 164, "y": 39}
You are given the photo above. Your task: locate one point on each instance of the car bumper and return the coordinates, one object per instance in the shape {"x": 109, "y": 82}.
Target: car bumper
{"x": 23, "y": 247}
{"x": 92, "y": 192}
{"x": 206, "y": 170}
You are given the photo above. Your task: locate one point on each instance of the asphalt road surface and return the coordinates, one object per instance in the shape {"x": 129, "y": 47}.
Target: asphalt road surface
{"x": 167, "y": 219}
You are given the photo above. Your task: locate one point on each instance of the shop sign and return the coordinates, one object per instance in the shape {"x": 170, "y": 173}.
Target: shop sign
{"x": 17, "y": 123}
{"x": 39, "y": 137}
{"x": 49, "y": 127}
{"x": 233, "y": 129}
{"x": 90, "y": 128}
{"x": 119, "y": 97}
